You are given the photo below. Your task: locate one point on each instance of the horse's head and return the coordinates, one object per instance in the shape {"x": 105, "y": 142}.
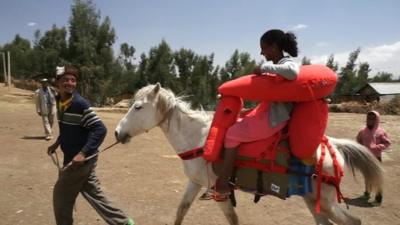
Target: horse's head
{"x": 149, "y": 106}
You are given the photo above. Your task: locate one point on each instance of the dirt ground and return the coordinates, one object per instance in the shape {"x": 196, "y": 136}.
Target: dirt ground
{"x": 146, "y": 180}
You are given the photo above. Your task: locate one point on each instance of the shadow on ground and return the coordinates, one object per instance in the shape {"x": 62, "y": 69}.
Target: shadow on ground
{"x": 359, "y": 201}
{"x": 27, "y": 137}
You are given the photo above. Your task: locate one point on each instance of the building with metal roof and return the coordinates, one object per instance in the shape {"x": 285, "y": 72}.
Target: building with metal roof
{"x": 382, "y": 92}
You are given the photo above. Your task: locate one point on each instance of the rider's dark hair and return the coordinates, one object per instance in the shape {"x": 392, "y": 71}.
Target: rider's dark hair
{"x": 285, "y": 41}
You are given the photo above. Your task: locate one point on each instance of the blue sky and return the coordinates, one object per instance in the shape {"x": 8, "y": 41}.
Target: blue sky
{"x": 220, "y": 26}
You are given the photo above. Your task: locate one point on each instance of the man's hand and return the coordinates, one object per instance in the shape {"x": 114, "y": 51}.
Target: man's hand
{"x": 79, "y": 159}
{"x": 52, "y": 148}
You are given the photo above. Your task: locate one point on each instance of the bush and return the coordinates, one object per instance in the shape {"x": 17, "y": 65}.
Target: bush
{"x": 350, "y": 107}
{"x": 392, "y": 107}
{"x": 389, "y": 108}
{"x": 26, "y": 84}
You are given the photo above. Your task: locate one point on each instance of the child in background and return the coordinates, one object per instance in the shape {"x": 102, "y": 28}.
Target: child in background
{"x": 376, "y": 140}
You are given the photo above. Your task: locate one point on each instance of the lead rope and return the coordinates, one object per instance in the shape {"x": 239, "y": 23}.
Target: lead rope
{"x": 55, "y": 160}
{"x": 61, "y": 169}
{"x": 57, "y": 163}
{"x": 90, "y": 157}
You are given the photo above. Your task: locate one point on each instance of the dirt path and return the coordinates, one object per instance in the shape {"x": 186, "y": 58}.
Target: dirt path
{"x": 146, "y": 180}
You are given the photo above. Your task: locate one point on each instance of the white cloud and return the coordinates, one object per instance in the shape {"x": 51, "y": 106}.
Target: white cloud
{"x": 380, "y": 58}
{"x": 297, "y": 27}
{"x": 31, "y": 24}
{"x": 322, "y": 44}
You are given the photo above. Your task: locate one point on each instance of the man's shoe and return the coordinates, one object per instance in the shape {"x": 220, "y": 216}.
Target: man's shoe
{"x": 375, "y": 203}
{"x": 130, "y": 222}
{"x": 48, "y": 138}
{"x": 366, "y": 196}
{"x": 378, "y": 198}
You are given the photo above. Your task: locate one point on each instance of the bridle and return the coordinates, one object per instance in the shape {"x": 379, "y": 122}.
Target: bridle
{"x": 187, "y": 155}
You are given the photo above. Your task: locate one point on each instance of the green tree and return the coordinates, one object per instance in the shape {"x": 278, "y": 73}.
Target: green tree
{"x": 362, "y": 74}
{"x": 127, "y": 53}
{"x": 49, "y": 51}
{"x": 332, "y": 64}
{"x": 382, "y": 77}
{"x": 238, "y": 65}
{"x": 142, "y": 72}
{"x": 213, "y": 88}
{"x": 105, "y": 40}
{"x": 185, "y": 61}
{"x": 20, "y": 49}
{"x": 160, "y": 66}
{"x": 347, "y": 75}
{"x": 305, "y": 61}
{"x": 90, "y": 49}
{"x": 126, "y": 80}
{"x": 202, "y": 80}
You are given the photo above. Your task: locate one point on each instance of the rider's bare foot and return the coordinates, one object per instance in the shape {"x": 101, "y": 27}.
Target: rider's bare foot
{"x": 221, "y": 191}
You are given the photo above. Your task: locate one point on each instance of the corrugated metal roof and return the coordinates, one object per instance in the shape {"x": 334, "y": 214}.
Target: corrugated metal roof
{"x": 386, "y": 88}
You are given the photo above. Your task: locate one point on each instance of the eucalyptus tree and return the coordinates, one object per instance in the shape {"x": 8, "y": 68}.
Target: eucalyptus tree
{"x": 382, "y": 77}
{"x": 160, "y": 66}
{"x": 20, "y": 49}
{"x": 49, "y": 51}
{"x": 332, "y": 64}
{"x": 90, "y": 49}
{"x": 348, "y": 75}
{"x": 238, "y": 65}
{"x": 305, "y": 61}
{"x": 185, "y": 60}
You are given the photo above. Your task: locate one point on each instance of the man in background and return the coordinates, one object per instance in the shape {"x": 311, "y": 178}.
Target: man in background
{"x": 46, "y": 106}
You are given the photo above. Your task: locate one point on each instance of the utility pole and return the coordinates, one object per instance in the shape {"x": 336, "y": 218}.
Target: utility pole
{"x": 4, "y": 67}
{"x": 9, "y": 70}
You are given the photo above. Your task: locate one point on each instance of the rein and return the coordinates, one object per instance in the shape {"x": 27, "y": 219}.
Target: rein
{"x": 56, "y": 162}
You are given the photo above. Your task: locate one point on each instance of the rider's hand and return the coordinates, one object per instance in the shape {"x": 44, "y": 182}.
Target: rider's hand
{"x": 39, "y": 113}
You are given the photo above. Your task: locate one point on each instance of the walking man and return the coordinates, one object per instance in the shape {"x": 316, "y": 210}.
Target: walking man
{"x": 46, "y": 106}
{"x": 81, "y": 134}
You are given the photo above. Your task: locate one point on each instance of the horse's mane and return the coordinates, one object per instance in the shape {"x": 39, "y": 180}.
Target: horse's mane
{"x": 166, "y": 100}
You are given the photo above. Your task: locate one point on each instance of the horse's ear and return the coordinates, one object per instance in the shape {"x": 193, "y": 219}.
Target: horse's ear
{"x": 156, "y": 88}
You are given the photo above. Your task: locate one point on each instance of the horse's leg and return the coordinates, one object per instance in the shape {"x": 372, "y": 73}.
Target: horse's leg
{"x": 331, "y": 208}
{"x": 339, "y": 215}
{"x": 192, "y": 189}
{"x": 229, "y": 212}
{"x": 320, "y": 218}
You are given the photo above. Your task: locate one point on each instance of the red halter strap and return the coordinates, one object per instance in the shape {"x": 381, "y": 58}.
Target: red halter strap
{"x": 191, "y": 154}
{"x": 321, "y": 177}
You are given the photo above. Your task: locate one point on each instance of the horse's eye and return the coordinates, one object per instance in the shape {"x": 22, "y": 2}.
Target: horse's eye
{"x": 137, "y": 107}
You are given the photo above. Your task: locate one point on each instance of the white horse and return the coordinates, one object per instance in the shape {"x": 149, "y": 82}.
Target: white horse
{"x": 186, "y": 129}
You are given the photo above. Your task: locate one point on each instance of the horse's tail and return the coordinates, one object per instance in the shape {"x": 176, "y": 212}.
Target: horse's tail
{"x": 358, "y": 157}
